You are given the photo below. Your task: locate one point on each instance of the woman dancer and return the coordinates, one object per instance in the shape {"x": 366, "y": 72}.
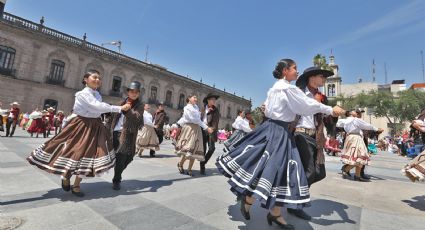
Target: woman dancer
{"x": 265, "y": 165}
{"x": 190, "y": 143}
{"x": 82, "y": 148}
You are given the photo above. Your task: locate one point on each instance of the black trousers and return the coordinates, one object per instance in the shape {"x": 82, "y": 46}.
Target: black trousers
{"x": 121, "y": 160}
{"x": 10, "y": 124}
{"x": 160, "y": 135}
{"x": 307, "y": 148}
{"x": 211, "y": 148}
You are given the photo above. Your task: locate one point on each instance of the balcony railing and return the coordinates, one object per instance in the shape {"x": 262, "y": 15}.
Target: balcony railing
{"x": 53, "y": 81}
{"x": 8, "y": 72}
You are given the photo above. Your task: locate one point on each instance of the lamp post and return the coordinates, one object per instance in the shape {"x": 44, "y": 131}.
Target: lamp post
{"x": 2, "y": 3}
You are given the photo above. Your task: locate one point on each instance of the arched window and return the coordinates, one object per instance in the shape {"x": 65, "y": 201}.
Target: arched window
{"x": 116, "y": 86}
{"x": 219, "y": 108}
{"x": 229, "y": 112}
{"x": 50, "y": 103}
{"x": 168, "y": 96}
{"x": 56, "y": 73}
{"x": 153, "y": 98}
{"x": 7, "y": 57}
{"x": 181, "y": 101}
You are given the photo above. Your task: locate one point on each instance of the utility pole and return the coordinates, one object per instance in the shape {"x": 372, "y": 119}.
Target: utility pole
{"x": 423, "y": 68}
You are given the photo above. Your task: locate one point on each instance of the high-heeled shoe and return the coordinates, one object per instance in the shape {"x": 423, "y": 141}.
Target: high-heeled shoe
{"x": 180, "y": 168}
{"x": 189, "y": 172}
{"x": 77, "y": 193}
{"x": 273, "y": 219}
{"x": 356, "y": 178}
{"x": 66, "y": 187}
{"x": 244, "y": 212}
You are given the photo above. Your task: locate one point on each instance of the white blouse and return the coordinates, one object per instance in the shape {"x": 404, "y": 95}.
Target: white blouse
{"x": 241, "y": 124}
{"x": 307, "y": 121}
{"x": 354, "y": 125}
{"x": 147, "y": 118}
{"x": 284, "y": 101}
{"x": 191, "y": 114}
{"x": 88, "y": 103}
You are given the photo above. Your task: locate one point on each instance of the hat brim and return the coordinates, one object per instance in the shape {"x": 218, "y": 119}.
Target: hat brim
{"x": 210, "y": 96}
{"x": 303, "y": 79}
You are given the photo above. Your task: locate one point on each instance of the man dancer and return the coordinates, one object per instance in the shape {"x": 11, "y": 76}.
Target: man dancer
{"x": 158, "y": 122}
{"x": 211, "y": 117}
{"x": 12, "y": 119}
{"x": 309, "y": 131}
{"x": 124, "y": 127}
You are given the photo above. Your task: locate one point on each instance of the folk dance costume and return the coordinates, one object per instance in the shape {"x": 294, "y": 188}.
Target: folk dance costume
{"x": 83, "y": 147}
{"x": 124, "y": 127}
{"x": 355, "y": 152}
{"x": 190, "y": 140}
{"x": 211, "y": 117}
{"x": 242, "y": 128}
{"x": 147, "y": 138}
{"x": 12, "y": 119}
{"x": 266, "y": 164}
{"x": 158, "y": 121}
{"x": 58, "y": 120}
{"x": 415, "y": 169}
{"x": 36, "y": 124}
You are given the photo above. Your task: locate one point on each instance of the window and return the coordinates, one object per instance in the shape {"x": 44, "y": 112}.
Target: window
{"x": 168, "y": 96}
{"x": 219, "y": 108}
{"x": 154, "y": 92}
{"x": 181, "y": 101}
{"x": 331, "y": 90}
{"x": 50, "y": 103}
{"x": 229, "y": 112}
{"x": 56, "y": 72}
{"x": 116, "y": 84}
{"x": 7, "y": 57}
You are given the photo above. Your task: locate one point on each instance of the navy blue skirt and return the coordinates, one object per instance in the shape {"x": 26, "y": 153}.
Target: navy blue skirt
{"x": 266, "y": 164}
{"x": 233, "y": 139}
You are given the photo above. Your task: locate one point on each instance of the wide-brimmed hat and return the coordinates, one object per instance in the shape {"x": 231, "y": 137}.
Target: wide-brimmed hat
{"x": 311, "y": 71}
{"x": 15, "y": 103}
{"x": 60, "y": 111}
{"x": 50, "y": 108}
{"x": 359, "y": 110}
{"x": 210, "y": 95}
{"x": 134, "y": 85}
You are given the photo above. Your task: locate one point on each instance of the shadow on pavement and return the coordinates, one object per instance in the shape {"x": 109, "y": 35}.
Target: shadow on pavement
{"x": 99, "y": 190}
{"x": 322, "y": 212}
{"x": 417, "y": 202}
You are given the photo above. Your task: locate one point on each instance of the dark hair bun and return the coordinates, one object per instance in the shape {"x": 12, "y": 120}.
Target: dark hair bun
{"x": 277, "y": 74}
{"x": 282, "y": 64}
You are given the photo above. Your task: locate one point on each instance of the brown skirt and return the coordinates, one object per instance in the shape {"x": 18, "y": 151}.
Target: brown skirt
{"x": 415, "y": 170}
{"x": 355, "y": 151}
{"x": 190, "y": 142}
{"x": 82, "y": 149}
{"x": 147, "y": 139}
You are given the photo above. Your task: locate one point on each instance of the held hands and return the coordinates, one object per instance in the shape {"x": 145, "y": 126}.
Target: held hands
{"x": 210, "y": 130}
{"x": 337, "y": 111}
{"x": 125, "y": 107}
{"x": 380, "y": 130}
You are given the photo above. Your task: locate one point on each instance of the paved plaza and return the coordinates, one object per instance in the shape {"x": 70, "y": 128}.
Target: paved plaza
{"x": 155, "y": 196}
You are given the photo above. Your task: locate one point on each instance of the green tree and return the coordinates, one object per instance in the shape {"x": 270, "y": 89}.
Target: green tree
{"x": 257, "y": 116}
{"x": 320, "y": 61}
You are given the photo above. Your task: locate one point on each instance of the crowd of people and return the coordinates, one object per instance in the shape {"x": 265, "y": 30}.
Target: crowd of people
{"x": 274, "y": 163}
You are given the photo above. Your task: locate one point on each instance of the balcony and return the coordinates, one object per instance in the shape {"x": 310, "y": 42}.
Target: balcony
{"x": 115, "y": 93}
{"x": 53, "y": 81}
{"x": 8, "y": 72}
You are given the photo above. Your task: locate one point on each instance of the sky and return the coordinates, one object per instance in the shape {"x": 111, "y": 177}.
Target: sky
{"x": 235, "y": 44}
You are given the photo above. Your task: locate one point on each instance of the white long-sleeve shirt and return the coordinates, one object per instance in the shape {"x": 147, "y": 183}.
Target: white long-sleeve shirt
{"x": 354, "y": 125}
{"x": 147, "y": 118}
{"x": 284, "y": 101}
{"x": 191, "y": 114}
{"x": 307, "y": 121}
{"x": 241, "y": 124}
{"x": 88, "y": 103}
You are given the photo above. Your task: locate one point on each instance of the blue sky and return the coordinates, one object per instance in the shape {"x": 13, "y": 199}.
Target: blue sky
{"x": 236, "y": 43}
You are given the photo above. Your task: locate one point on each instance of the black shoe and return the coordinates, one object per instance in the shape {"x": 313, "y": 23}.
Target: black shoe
{"x": 66, "y": 188}
{"x": 180, "y": 168}
{"x": 189, "y": 172}
{"x": 152, "y": 154}
{"x": 299, "y": 213}
{"x": 345, "y": 173}
{"x": 360, "y": 179}
{"x": 364, "y": 176}
{"x": 116, "y": 186}
{"x": 273, "y": 219}
{"x": 79, "y": 194}
{"x": 202, "y": 171}
{"x": 244, "y": 212}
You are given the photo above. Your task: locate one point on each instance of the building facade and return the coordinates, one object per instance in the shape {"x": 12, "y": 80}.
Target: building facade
{"x": 41, "y": 67}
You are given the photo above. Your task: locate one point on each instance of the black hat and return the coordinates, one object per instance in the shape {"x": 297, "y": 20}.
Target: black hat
{"x": 210, "y": 95}
{"x": 134, "y": 85}
{"x": 159, "y": 103}
{"x": 247, "y": 111}
{"x": 311, "y": 71}
{"x": 359, "y": 110}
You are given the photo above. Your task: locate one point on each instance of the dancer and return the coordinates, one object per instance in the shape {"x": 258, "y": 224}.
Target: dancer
{"x": 147, "y": 138}
{"x": 83, "y": 147}
{"x": 355, "y": 153}
{"x": 211, "y": 117}
{"x": 12, "y": 119}
{"x": 158, "y": 123}
{"x": 58, "y": 120}
{"x": 190, "y": 141}
{"x": 124, "y": 127}
{"x": 309, "y": 131}
{"x": 265, "y": 165}
{"x": 242, "y": 127}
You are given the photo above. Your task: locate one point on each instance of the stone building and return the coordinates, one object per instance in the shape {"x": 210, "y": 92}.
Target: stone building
{"x": 40, "y": 67}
